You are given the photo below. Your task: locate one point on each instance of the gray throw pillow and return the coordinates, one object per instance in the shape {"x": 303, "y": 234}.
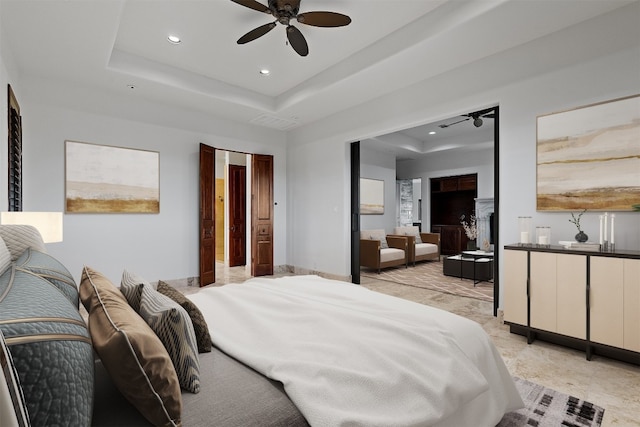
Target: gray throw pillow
{"x": 418, "y": 238}
{"x": 381, "y": 236}
{"x": 172, "y": 325}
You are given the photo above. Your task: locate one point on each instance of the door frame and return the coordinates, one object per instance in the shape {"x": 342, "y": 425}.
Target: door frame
{"x": 355, "y": 212}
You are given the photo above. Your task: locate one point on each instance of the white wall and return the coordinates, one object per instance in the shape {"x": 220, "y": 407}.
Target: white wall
{"x": 319, "y": 207}
{"x": 594, "y": 61}
{"x": 156, "y": 246}
{"x": 378, "y": 165}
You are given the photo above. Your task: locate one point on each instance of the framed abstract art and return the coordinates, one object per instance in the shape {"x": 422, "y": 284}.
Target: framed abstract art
{"x": 589, "y": 157}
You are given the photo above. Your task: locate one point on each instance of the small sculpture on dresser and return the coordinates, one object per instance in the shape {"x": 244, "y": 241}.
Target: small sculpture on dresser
{"x": 581, "y": 237}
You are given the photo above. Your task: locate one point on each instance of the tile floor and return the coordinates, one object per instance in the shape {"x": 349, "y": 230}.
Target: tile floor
{"x": 613, "y": 385}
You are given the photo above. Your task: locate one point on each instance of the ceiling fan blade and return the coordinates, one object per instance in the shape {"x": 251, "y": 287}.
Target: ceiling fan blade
{"x": 446, "y": 125}
{"x": 297, "y": 41}
{"x": 323, "y": 19}
{"x": 256, "y": 32}
{"x": 253, "y": 4}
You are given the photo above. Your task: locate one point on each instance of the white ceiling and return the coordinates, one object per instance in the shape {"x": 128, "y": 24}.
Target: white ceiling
{"x": 108, "y": 45}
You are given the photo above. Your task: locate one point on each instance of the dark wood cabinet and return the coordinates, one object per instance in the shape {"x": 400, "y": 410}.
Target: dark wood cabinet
{"x": 449, "y": 184}
{"x": 452, "y": 238}
{"x": 452, "y": 197}
{"x": 468, "y": 182}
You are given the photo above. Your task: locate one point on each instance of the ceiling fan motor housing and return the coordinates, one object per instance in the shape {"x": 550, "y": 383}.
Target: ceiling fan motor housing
{"x": 284, "y": 10}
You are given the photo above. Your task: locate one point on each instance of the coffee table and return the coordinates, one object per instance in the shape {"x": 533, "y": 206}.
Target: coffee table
{"x": 476, "y": 265}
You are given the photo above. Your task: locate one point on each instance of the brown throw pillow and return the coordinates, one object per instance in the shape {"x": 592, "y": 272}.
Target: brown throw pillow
{"x": 203, "y": 338}
{"x": 132, "y": 354}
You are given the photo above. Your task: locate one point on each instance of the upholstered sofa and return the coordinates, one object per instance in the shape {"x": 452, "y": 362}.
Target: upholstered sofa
{"x": 421, "y": 246}
{"x": 111, "y": 365}
{"x": 378, "y": 251}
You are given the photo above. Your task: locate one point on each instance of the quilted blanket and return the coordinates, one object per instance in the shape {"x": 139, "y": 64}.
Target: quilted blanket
{"x": 350, "y": 356}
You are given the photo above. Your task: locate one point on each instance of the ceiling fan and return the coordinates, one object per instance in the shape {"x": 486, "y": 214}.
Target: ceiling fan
{"x": 477, "y": 117}
{"x": 286, "y": 10}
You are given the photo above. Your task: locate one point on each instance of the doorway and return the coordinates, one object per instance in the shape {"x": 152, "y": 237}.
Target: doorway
{"x": 231, "y": 207}
{"x": 455, "y": 143}
{"x": 233, "y": 188}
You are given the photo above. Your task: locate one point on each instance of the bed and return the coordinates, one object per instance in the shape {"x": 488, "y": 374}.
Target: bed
{"x": 291, "y": 351}
{"x": 345, "y": 355}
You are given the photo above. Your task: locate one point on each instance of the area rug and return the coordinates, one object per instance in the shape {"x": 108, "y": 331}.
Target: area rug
{"x": 545, "y": 407}
{"x": 428, "y": 275}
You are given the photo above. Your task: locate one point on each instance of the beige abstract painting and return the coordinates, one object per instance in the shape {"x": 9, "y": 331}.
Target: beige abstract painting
{"x": 107, "y": 179}
{"x": 371, "y": 196}
{"x": 589, "y": 157}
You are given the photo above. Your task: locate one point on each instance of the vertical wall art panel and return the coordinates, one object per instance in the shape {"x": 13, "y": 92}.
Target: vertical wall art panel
{"x": 371, "y": 196}
{"x": 106, "y": 179}
{"x": 589, "y": 157}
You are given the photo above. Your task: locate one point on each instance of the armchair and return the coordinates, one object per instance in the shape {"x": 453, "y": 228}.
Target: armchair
{"x": 378, "y": 251}
{"x": 427, "y": 247}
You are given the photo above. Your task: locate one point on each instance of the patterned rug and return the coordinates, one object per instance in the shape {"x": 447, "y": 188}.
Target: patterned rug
{"x": 545, "y": 407}
{"x": 428, "y": 274}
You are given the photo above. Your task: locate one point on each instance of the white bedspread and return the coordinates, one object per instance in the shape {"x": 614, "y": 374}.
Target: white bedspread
{"x": 349, "y": 356}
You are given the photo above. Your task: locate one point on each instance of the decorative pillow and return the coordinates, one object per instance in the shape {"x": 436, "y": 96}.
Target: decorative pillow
{"x": 410, "y": 230}
{"x": 50, "y": 346}
{"x": 130, "y": 351}
{"x": 418, "y": 237}
{"x": 17, "y": 238}
{"x": 200, "y": 327}
{"x": 50, "y": 269}
{"x": 13, "y": 408}
{"x": 378, "y": 235}
{"x": 5, "y": 257}
{"x": 131, "y": 287}
{"x": 172, "y": 325}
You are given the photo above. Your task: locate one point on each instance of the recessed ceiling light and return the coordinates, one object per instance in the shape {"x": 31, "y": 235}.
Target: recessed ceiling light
{"x": 433, "y": 132}
{"x": 174, "y": 39}
{"x": 264, "y": 72}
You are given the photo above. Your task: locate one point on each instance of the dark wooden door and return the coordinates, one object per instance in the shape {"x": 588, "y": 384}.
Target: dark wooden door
{"x": 261, "y": 215}
{"x": 237, "y": 215}
{"x": 207, "y": 215}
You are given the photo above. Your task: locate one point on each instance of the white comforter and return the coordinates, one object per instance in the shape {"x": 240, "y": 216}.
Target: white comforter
{"x": 349, "y": 356}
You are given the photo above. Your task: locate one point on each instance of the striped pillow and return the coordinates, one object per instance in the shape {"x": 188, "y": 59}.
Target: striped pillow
{"x": 131, "y": 287}
{"x": 172, "y": 325}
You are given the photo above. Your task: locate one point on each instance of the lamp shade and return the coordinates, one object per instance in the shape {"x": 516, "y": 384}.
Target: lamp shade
{"x": 49, "y": 224}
